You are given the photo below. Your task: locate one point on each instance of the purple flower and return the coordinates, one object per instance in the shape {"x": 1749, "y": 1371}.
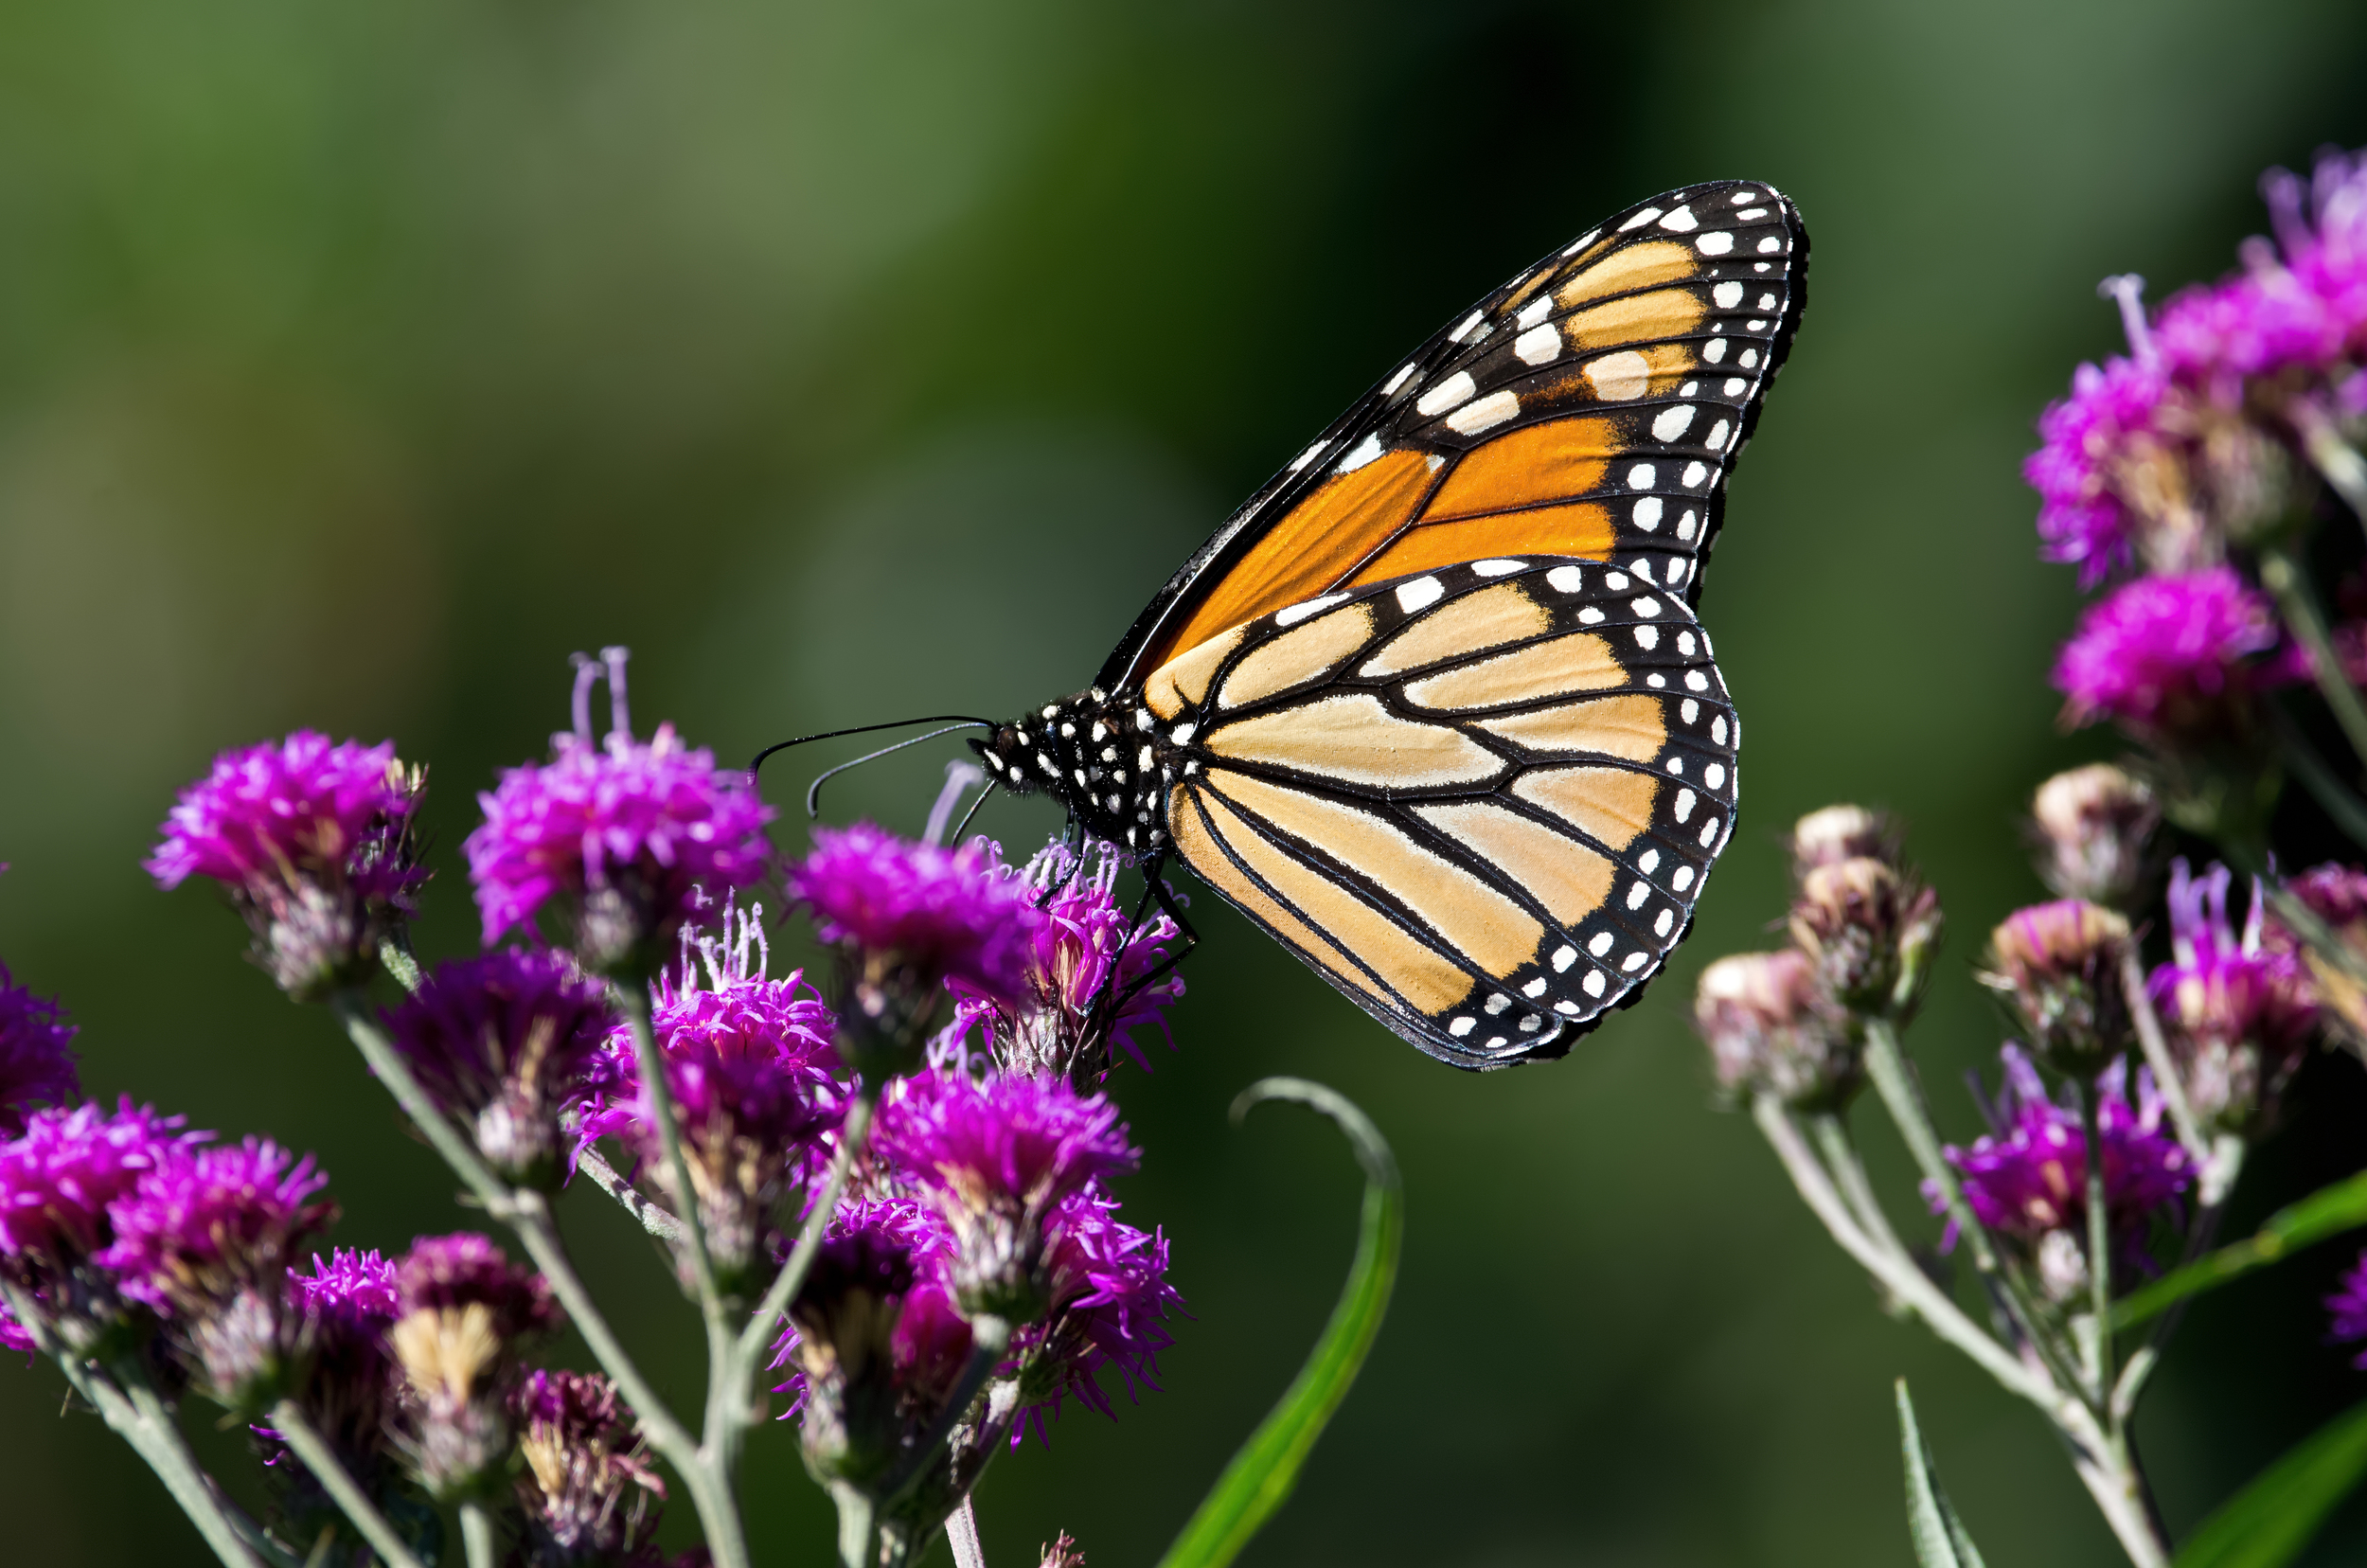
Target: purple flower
{"x": 931, "y": 913}
{"x": 2243, "y": 1010}
{"x": 59, "y": 1177}
{"x": 204, "y": 1221}
{"x": 2348, "y": 1307}
{"x": 2081, "y": 518}
{"x": 2164, "y": 655}
{"x": 749, "y": 1062}
{"x": 14, "y": 1335}
{"x": 587, "y": 1490}
{"x": 1000, "y": 1156}
{"x": 1110, "y": 1301}
{"x": 356, "y": 1287}
{"x": 639, "y": 835}
{"x": 204, "y": 1238}
{"x": 2028, "y": 1181}
{"x": 311, "y": 841}
{"x": 467, "y": 1313}
{"x": 1084, "y": 996}
{"x": 504, "y": 1043}
{"x": 2336, "y": 892}
{"x": 467, "y": 1269}
{"x": 349, "y": 1304}
{"x": 36, "y": 1055}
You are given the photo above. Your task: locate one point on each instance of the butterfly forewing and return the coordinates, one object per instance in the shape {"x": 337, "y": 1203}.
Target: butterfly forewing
{"x": 1591, "y": 408}
{"x": 1481, "y": 799}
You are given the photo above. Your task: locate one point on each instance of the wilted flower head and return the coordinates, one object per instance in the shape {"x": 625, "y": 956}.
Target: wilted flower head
{"x": 1763, "y": 1016}
{"x": 1870, "y": 930}
{"x": 1837, "y": 833}
{"x": 2242, "y": 1011}
{"x": 2059, "y": 965}
{"x": 2092, "y": 827}
{"x": 2165, "y": 656}
{"x": 311, "y": 841}
{"x": 467, "y": 1313}
{"x": 639, "y": 836}
{"x": 2028, "y": 1180}
{"x": 502, "y": 1043}
{"x": 587, "y": 1491}
{"x": 1087, "y": 961}
{"x": 205, "y": 1238}
{"x": 2348, "y": 1307}
{"x": 999, "y": 1156}
{"x": 1110, "y": 1305}
{"x": 36, "y": 1055}
{"x": 749, "y": 1062}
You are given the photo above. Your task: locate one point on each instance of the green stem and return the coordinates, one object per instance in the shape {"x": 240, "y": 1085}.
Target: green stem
{"x": 351, "y": 1500}
{"x": 633, "y": 997}
{"x": 2336, "y": 461}
{"x": 2156, "y": 1045}
{"x": 654, "y": 1219}
{"x": 858, "y": 1528}
{"x": 476, "y": 1536}
{"x": 961, "y": 1535}
{"x": 991, "y": 1336}
{"x": 2282, "y": 574}
{"x": 1848, "y": 1172}
{"x": 378, "y": 1051}
{"x": 2102, "y": 1363}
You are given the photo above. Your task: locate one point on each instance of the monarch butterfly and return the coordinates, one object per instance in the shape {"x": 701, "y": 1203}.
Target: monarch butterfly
{"x": 1433, "y": 708}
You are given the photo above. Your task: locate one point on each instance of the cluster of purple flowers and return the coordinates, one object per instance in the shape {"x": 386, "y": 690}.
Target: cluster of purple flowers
{"x": 2164, "y": 459}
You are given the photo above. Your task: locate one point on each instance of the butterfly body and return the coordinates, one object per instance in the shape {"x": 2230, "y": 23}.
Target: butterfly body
{"x": 1433, "y": 708}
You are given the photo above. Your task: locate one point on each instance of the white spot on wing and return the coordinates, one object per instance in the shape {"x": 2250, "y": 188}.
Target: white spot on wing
{"x": 1420, "y": 593}
{"x": 1462, "y": 1027}
{"x": 1451, "y": 393}
{"x": 1487, "y": 414}
{"x": 1717, "y": 244}
{"x": 1681, "y": 221}
{"x": 1566, "y": 579}
{"x": 1641, "y": 476}
{"x": 1647, "y": 513}
{"x": 1728, "y": 296}
{"x": 1538, "y": 345}
{"x": 1469, "y": 324}
{"x": 1694, "y": 473}
{"x": 1363, "y": 452}
{"x": 1390, "y": 386}
{"x": 1305, "y": 457}
{"x": 1534, "y": 311}
{"x": 1640, "y": 220}
{"x": 1594, "y": 983}
{"x": 1291, "y": 616}
{"x": 1713, "y": 352}
{"x": 1621, "y": 377}
{"x": 1499, "y": 568}
{"x": 1671, "y": 421}
{"x": 1582, "y": 242}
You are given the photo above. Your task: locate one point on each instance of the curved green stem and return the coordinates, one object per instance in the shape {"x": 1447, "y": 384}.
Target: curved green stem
{"x": 634, "y": 999}
{"x": 318, "y": 1457}
{"x": 2280, "y": 574}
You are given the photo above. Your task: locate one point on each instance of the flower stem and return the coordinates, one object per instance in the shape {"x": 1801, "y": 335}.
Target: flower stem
{"x": 1903, "y": 1098}
{"x": 989, "y": 1337}
{"x": 322, "y": 1461}
{"x": 2280, "y": 574}
{"x": 633, "y": 997}
{"x": 654, "y": 1219}
{"x": 385, "y": 1061}
{"x": 2336, "y": 461}
{"x": 476, "y": 1536}
{"x": 2156, "y": 1045}
{"x": 961, "y": 1534}
{"x": 2101, "y": 1363}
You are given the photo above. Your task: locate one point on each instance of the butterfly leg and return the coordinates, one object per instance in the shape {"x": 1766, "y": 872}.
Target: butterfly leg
{"x": 1155, "y": 887}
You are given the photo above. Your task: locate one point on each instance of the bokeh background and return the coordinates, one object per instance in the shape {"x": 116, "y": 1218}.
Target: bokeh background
{"x": 358, "y": 362}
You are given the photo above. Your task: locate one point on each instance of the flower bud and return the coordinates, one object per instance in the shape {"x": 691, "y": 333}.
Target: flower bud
{"x": 2059, "y": 966}
{"x": 1838, "y": 834}
{"x": 467, "y": 1311}
{"x": 2091, "y": 827}
{"x": 2338, "y": 895}
{"x": 1870, "y": 931}
{"x": 1761, "y": 1015}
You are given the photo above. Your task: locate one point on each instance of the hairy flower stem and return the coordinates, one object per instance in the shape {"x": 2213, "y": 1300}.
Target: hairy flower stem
{"x": 961, "y": 1534}
{"x": 529, "y": 1215}
{"x": 2280, "y": 574}
{"x": 317, "y": 1456}
{"x": 2156, "y": 1045}
{"x": 633, "y": 1000}
{"x": 138, "y": 1416}
{"x": 1903, "y": 1098}
{"x": 654, "y": 1218}
{"x": 2101, "y": 1364}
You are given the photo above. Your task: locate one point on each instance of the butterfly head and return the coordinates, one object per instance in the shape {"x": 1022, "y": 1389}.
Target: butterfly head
{"x": 1088, "y": 753}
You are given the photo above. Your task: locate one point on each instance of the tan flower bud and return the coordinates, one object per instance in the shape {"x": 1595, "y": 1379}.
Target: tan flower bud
{"x": 2091, "y": 827}
{"x": 1762, "y": 1017}
{"x": 1839, "y": 833}
{"x": 2059, "y": 966}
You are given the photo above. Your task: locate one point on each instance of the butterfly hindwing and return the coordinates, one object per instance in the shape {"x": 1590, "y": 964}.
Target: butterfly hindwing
{"x": 1591, "y": 408}
{"x": 1480, "y": 800}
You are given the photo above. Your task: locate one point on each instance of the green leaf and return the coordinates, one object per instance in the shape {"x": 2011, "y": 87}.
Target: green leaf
{"x": 1261, "y": 1474}
{"x": 2268, "y": 1524}
{"x": 1939, "y": 1536}
{"x": 2329, "y": 1211}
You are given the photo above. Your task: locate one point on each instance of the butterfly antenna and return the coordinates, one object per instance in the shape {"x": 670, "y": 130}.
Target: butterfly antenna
{"x": 963, "y": 827}
{"x": 813, "y": 791}
{"x": 958, "y": 720}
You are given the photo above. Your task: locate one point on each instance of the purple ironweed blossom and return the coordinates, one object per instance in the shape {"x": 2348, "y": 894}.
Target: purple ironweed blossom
{"x": 749, "y": 1064}
{"x": 311, "y": 841}
{"x": 204, "y": 1238}
{"x": 36, "y": 1055}
{"x": 2090, "y": 439}
{"x": 351, "y": 1390}
{"x": 1110, "y": 1299}
{"x": 1764, "y": 1017}
{"x": 56, "y": 1181}
{"x": 999, "y": 1156}
{"x": 2243, "y": 1011}
{"x": 2165, "y": 656}
{"x": 1085, "y": 995}
{"x": 2091, "y": 827}
{"x": 2028, "y": 1180}
{"x": 504, "y": 1042}
{"x": 587, "y": 1492}
{"x": 467, "y": 1310}
{"x": 639, "y": 836}
{"x": 2348, "y": 1307}
{"x": 2059, "y": 965}
{"x": 2338, "y": 895}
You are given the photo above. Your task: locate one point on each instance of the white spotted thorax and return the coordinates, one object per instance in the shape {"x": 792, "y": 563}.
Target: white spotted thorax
{"x": 1433, "y": 708}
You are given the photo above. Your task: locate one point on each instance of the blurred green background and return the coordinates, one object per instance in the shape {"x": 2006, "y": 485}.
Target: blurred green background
{"x": 358, "y": 362}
